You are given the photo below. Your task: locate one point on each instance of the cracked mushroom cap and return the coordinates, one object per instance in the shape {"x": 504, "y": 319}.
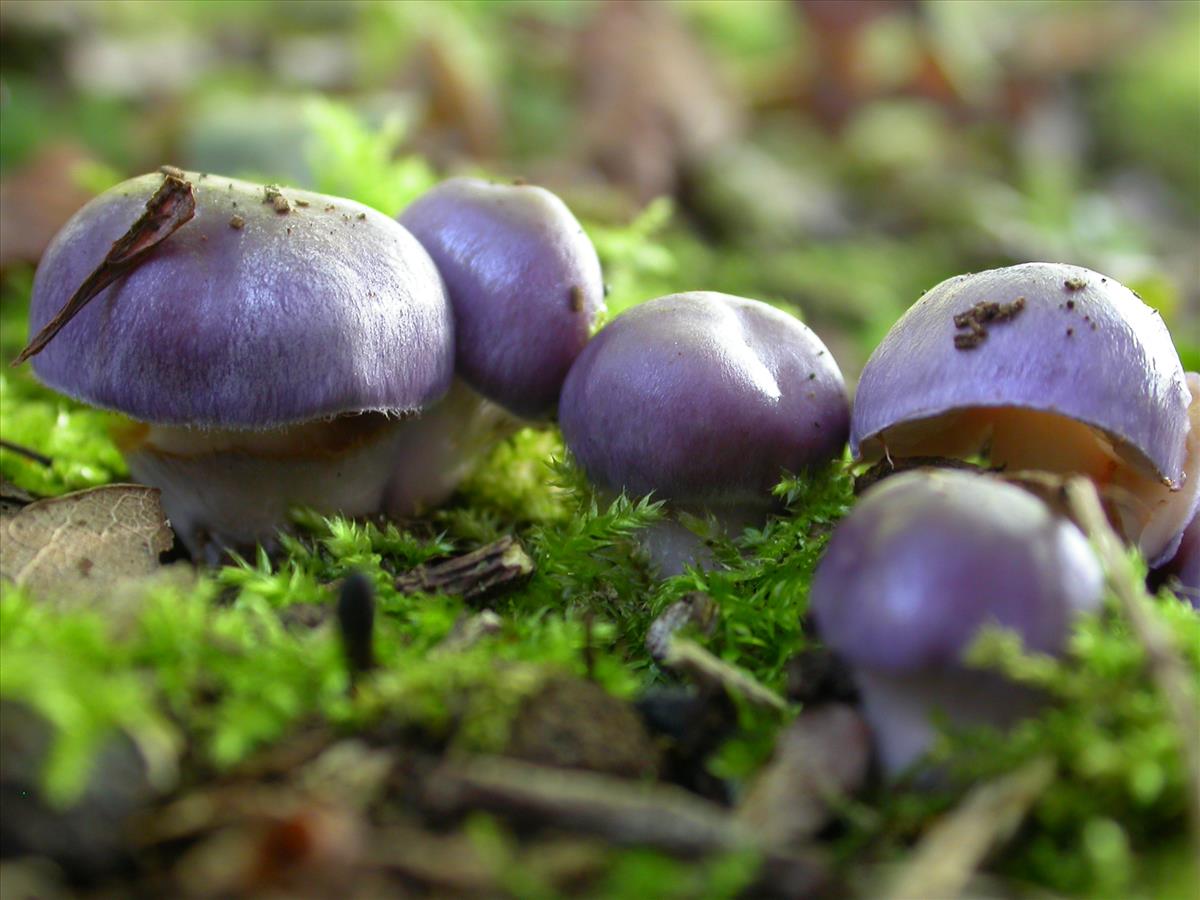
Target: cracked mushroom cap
{"x": 928, "y": 558}
{"x": 1067, "y": 342}
{"x": 247, "y": 317}
{"x": 523, "y": 279}
{"x": 703, "y": 398}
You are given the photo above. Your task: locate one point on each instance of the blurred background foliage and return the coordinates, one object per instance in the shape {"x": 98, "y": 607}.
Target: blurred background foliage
{"x": 836, "y": 158}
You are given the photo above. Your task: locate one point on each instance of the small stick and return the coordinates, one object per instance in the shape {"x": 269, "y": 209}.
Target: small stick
{"x": 953, "y": 849}
{"x": 494, "y": 566}
{"x": 38, "y": 458}
{"x": 670, "y": 650}
{"x": 171, "y": 207}
{"x": 1167, "y": 669}
{"x": 696, "y": 608}
{"x": 687, "y": 656}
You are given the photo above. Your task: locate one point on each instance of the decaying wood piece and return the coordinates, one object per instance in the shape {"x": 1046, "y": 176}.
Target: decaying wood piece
{"x": 483, "y": 572}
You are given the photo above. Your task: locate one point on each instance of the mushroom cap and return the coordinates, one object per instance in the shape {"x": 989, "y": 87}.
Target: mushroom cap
{"x": 1084, "y": 347}
{"x": 523, "y": 279}
{"x": 703, "y": 398}
{"x": 927, "y": 558}
{"x": 330, "y": 308}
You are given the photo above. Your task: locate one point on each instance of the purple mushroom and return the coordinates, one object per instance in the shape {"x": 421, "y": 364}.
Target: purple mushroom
{"x": 922, "y": 563}
{"x": 524, "y": 282}
{"x": 267, "y": 352}
{"x": 1042, "y": 366}
{"x": 703, "y": 400}
{"x": 1181, "y": 573}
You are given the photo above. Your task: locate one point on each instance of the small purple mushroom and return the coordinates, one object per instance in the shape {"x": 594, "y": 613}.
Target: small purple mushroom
{"x": 703, "y": 400}
{"x": 1181, "y": 573}
{"x": 524, "y": 282}
{"x": 922, "y": 563}
{"x": 1041, "y": 366}
{"x": 266, "y": 351}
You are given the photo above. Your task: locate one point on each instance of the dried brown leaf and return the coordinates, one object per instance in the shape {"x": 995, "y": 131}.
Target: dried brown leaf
{"x": 86, "y": 543}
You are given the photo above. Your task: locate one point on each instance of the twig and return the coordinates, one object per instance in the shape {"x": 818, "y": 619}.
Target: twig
{"x": 38, "y": 458}
{"x": 949, "y": 854}
{"x": 694, "y": 609}
{"x": 668, "y": 649}
{"x": 619, "y": 810}
{"x": 171, "y": 207}
{"x": 1167, "y": 669}
{"x": 688, "y": 656}
{"x": 503, "y": 563}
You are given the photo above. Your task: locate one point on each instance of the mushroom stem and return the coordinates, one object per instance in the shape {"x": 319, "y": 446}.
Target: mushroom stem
{"x": 898, "y": 707}
{"x": 234, "y": 488}
{"x": 433, "y": 455}
{"x": 670, "y": 545}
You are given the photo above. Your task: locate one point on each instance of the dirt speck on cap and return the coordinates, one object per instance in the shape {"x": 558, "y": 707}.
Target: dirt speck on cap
{"x": 273, "y": 195}
{"x": 976, "y": 320}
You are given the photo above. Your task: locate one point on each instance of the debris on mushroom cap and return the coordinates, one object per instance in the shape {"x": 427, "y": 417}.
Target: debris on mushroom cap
{"x": 246, "y": 327}
{"x": 1118, "y": 372}
{"x": 928, "y": 558}
{"x": 524, "y": 281}
{"x": 703, "y": 398}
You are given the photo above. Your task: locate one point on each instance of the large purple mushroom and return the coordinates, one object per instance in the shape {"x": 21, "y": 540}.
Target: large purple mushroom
{"x": 703, "y": 400}
{"x": 524, "y": 282}
{"x": 1181, "y": 571}
{"x": 1048, "y": 367}
{"x": 925, "y": 561}
{"x": 267, "y": 351}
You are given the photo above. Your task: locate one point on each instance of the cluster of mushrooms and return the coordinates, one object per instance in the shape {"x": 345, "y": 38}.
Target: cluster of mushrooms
{"x": 287, "y": 347}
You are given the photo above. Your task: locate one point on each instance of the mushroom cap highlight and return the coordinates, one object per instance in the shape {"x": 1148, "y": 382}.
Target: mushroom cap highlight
{"x": 703, "y": 398}
{"x": 1082, "y": 346}
{"x": 247, "y": 318}
{"x": 928, "y": 558}
{"x": 523, "y": 279}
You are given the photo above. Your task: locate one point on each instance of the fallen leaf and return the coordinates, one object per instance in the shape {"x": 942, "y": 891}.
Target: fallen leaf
{"x": 85, "y": 544}
{"x": 13, "y": 499}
